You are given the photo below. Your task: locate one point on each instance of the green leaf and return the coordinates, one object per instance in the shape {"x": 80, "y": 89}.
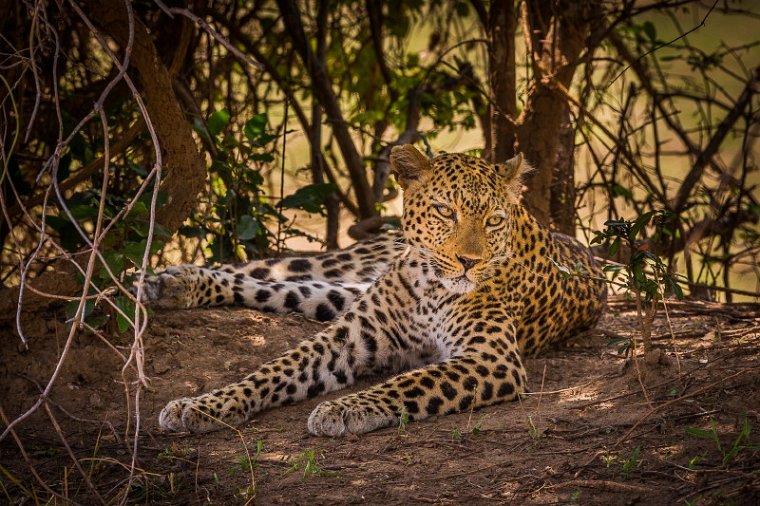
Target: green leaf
{"x": 255, "y": 127}
{"x": 598, "y": 238}
{"x": 309, "y": 198}
{"x": 134, "y": 251}
{"x": 138, "y": 209}
{"x": 218, "y": 121}
{"x": 622, "y": 191}
{"x": 677, "y": 290}
{"x": 84, "y": 211}
{"x": 69, "y": 236}
{"x": 187, "y": 231}
{"x": 618, "y": 341}
{"x": 200, "y": 128}
{"x": 115, "y": 261}
{"x": 247, "y": 228}
{"x": 141, "y": 227}
{"x": 640, "y": 223}
{"x": 71, "y": 308}
{"x": 128, "y": 307}
{"x": 614, "y": 247}
{"x": 650, "y": 30}
{"x": 704, "y": 434}
{"x": 254, "y": 177}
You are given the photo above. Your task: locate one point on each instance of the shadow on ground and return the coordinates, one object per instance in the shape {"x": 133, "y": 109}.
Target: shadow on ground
{"x": 587, "y": 433}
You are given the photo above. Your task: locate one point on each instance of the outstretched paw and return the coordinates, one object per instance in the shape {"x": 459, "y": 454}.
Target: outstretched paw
{"x": 173, "y": 288}
{"x": 187, "y": 415}
{"x": 348, "y": 415}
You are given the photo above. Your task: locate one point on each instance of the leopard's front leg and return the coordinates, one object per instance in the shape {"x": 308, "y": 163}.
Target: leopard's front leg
{"x": 486, "y": 369}
{"x": 330, "y": 361}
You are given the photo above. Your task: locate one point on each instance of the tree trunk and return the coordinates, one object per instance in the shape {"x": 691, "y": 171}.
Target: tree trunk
{"x": 558, "y": 30}
{"x": 183, "y": 170}
{"x": 501, "y": 72}
{"x": 562, "y": 205}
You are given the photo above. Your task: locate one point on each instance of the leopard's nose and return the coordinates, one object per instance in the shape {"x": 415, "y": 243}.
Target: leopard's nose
{"x": 468, "y": 262}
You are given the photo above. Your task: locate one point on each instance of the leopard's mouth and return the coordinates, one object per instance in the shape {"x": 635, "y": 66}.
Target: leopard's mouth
{"x": 458, "y": 282}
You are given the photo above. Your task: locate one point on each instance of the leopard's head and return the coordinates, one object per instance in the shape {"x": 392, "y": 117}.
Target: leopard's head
{"x": 457, "y": 212}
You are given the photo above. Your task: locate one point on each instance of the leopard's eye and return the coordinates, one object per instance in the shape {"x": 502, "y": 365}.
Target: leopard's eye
{"x": 495, "y": 221}
{"x": 445, "y": 211}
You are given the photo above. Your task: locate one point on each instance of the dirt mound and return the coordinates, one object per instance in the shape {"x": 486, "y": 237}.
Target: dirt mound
{"x": 586, "y": 433}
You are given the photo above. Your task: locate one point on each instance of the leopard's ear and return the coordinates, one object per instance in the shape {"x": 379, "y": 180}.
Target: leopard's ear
{"x": 409, "y": 165}
{"x": 512, "y": 168}
{"x": 512, "y": 171}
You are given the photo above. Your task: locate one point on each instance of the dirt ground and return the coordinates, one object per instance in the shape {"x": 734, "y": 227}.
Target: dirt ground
{"x": 586, "y": 434}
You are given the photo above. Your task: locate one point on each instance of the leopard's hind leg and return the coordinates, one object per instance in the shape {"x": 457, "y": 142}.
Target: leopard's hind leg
{"x": 318, "y": 286}
{"x": 362, "y": 262}
{"x": 189, "y": 286}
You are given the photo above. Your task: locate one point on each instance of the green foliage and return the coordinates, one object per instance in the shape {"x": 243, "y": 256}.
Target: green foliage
{"x": 309, "y": 198}
{"x": 627, "y": 461}
{"x": 534, "y": 432}
{"x": 740, "y": 443}
{"x": 238, "y": 220}
{"x": 623, "y": 344}
{"x": 251, "y": 463}
{"x": 631, "y": 461}
{"x": 403, "y": 420}
{"x": 233, "y": 221}
{"x": 477, "y": 429}
{"x": 122, "y": 248}
{"x": 643, "y": 272}
{"x": 307, "y": 462}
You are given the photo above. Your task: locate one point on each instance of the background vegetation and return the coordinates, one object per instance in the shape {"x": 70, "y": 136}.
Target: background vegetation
{"x": 622, "y": 108}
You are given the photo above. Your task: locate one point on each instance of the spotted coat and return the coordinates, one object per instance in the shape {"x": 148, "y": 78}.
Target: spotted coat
{"x": 454, "y": 307}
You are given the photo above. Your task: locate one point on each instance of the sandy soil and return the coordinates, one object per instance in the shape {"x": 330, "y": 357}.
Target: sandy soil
{"x": 586, "y": 434}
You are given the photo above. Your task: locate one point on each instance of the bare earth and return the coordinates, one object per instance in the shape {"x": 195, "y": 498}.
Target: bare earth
{"x": 586, "y": 434}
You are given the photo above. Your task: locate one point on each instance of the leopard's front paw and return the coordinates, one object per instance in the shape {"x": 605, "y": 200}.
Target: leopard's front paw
{"x": 172, "y": 288}
{"x": 348, "y": 415}
{"x": 186, "y": 415}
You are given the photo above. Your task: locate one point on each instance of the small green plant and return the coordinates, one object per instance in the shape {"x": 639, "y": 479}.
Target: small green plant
{"x": 642, "y": 272}
{"x": 628, "y": 462}
{"x": 477, "y": 429}
{"x": 631, "y": 461}
{"x": 694, "y": 461}
{"x": 251, "y": 463}
{"x": 123, "y": 247}
{"x": 306, "y": 460}
{"x": 739, "y": 444}
{"x": 575, "y": 497}
{"x": 623, "y": 344}
{"x": 534, "y": 432}
{"x": 176, "y": 451}
{"x": 456, "y": 434}
{"x": 403, "y": 420}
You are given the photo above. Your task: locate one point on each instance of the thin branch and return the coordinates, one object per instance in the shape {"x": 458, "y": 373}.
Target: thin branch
{"x": 666, "y": 44}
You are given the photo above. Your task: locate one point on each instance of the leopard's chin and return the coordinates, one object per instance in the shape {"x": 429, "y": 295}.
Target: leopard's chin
{"x": 461, "y": 284}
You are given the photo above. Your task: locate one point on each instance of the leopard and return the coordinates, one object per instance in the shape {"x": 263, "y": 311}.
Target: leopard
{"x": 448, "y": 309}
